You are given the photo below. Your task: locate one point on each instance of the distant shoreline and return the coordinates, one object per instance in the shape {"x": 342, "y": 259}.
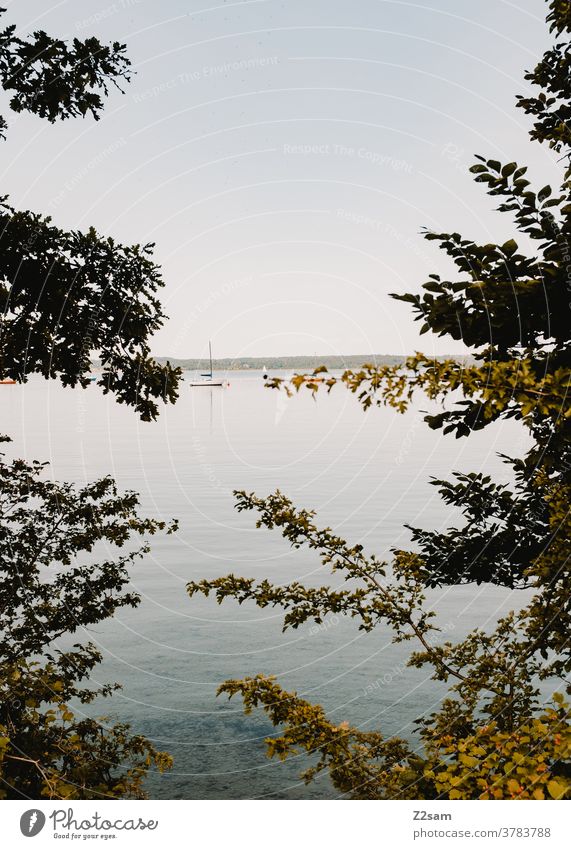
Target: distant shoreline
{"x": 339, "y": 361}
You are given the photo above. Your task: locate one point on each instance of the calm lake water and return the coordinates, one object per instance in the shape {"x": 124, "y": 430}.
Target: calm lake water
{"x": 365, "y": 474}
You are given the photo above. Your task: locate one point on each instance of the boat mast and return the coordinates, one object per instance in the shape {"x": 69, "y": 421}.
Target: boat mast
{"x": 210, "y": 349}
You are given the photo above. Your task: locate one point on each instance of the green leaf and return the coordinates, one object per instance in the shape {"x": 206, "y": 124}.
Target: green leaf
{"x": 509, "y": 247}
{"x": 544, "y": 193}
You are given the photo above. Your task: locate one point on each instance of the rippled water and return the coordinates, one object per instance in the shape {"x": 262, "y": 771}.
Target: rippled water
{"x": 365, "y": 474}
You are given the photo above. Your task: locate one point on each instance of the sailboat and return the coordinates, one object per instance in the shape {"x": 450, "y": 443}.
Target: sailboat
{"x": 207, "y": 379}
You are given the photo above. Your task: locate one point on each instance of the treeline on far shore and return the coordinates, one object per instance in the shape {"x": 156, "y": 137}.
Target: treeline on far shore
{"x": 302, "y": 362}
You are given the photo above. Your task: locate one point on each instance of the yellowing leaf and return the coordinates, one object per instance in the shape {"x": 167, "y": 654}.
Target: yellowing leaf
{"x": 556, "y": 788}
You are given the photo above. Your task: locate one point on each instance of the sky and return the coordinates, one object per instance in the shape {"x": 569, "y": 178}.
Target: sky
{"x": 284, "y": 157}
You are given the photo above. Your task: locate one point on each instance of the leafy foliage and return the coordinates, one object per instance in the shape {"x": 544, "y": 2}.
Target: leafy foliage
{"x": 63, "y": 297}
{"x": 52, "y": 587}
{"x": 68, "y": 297}
{"x": 52, "y": 80}
{"x": 485, "y": 764}
{"x": 552, "y": 107}
{"x": 487, "y": 740}
{"x": 493, "y": 736}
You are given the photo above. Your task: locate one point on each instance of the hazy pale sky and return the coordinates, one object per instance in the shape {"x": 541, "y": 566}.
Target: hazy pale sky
{"x": 285, "y": 155}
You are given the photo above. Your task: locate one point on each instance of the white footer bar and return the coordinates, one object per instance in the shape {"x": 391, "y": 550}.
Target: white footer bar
{"x": 286, "y": 824}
